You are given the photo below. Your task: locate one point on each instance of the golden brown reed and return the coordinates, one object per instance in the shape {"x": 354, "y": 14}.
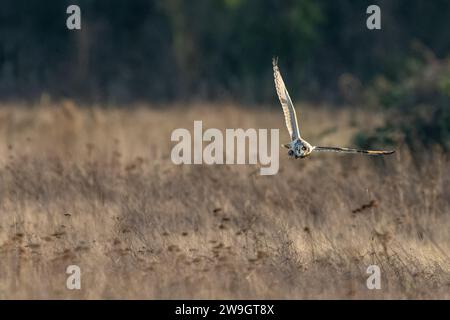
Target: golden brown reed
{"x": 95, "y": 187}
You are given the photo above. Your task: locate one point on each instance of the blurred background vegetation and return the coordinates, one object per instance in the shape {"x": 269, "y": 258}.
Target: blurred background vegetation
{"x": 177, "y": 50}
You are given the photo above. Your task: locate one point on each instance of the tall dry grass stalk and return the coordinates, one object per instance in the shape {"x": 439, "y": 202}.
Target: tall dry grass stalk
{"x": 95, "y": 187}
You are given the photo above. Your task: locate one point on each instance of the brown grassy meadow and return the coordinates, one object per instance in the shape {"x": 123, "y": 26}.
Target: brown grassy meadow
{"x": 96, "y": 187}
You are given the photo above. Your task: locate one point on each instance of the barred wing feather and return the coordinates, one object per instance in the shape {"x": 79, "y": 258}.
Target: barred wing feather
{"x": 348, "y": 150}
{"x": 286, "y": 102}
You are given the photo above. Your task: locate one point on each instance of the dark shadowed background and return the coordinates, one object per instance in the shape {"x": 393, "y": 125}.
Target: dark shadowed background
{"x": 172, "y": 50}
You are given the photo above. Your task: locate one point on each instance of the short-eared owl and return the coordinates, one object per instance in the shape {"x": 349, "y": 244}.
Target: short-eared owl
{"x": 298, "y": 147}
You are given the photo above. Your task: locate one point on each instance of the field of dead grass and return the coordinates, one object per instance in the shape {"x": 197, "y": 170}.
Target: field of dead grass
{"x": 95, "y": 187}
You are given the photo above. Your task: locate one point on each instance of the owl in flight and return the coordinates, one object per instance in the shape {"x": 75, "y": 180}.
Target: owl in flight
{"x": 298, "y": 147}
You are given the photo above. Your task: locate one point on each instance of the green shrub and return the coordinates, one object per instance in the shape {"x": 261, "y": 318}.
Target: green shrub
{"x": 417, "y": 104}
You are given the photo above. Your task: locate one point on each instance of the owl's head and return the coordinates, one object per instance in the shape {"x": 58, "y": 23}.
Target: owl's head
{"x": 299, "y": 149}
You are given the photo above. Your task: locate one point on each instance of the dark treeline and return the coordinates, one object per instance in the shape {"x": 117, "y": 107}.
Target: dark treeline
{"x": 166, "y": 50}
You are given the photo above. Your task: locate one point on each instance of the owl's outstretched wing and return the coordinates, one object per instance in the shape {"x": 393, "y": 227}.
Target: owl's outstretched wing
{"x": 286, "y": 102}
{"x": 348, "y": 150}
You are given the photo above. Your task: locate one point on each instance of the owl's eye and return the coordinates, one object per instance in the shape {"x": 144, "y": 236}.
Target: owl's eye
{"x": 304, "y": 148}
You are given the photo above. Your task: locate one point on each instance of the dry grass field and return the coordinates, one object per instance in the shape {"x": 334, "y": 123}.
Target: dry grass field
{"x": 95, "y": 187}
